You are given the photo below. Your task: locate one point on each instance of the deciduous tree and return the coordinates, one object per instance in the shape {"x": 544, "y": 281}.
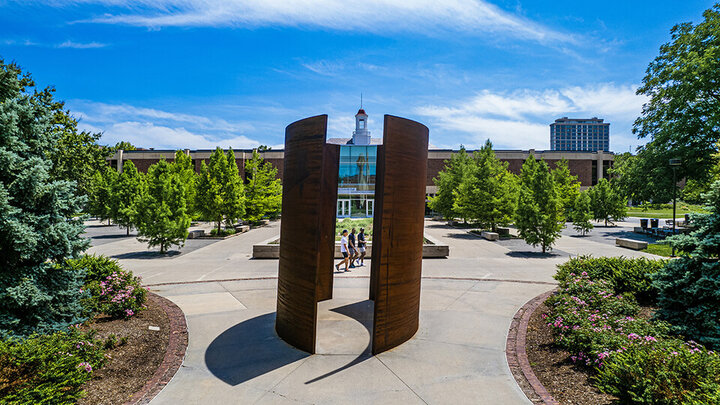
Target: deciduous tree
{"x": 568, "y": 186}
{"x": 448, "y": 180}
{"x": 162, "y": 218}
{"x": 126, "y": 193}
{"x": 263, "y": 190}
{"x": 539, "y": 216}
{"x": 581, "y": 214}
{"x": 607, "y": 203}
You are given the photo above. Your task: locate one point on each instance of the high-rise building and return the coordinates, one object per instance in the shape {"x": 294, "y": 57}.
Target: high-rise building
{"x": 580, "y": 134}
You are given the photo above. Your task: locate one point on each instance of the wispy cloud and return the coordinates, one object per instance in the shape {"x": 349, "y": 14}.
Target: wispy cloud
{"x": 81, "y": 45}
{"x": 148, "y": 127}
{"x": 427, "y": 17}
{"x": 520, "y": 119}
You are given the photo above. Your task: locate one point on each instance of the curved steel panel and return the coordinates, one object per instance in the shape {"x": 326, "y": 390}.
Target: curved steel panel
{"x": 398, "y": 232}
{"x": 300, "y": 232}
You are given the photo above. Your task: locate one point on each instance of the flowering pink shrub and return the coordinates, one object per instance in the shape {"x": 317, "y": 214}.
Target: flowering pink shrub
{"x": 109, "y": 289}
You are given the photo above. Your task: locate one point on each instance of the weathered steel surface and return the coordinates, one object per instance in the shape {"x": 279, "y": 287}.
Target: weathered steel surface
{"x": 300, "y": 232}
{"x": 398, "y": 232}
{"x": 328, "y": 210}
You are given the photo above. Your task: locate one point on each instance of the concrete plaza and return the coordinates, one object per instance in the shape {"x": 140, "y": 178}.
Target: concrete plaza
{"x": 458, "y": 355}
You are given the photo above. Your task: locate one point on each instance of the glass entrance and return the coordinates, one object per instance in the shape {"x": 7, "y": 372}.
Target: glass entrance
{"x": 343, "y": 208}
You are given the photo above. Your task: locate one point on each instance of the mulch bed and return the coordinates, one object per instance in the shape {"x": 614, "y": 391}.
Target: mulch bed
{"x": 132, "y": 364}
{"x": 567, "y": 383}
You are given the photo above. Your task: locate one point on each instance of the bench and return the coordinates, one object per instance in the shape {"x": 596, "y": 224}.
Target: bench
{"x": 490, "y": 235}
{"x": 631, "y": 243}
{"x": 196, "y": 234}
{"x": 242, "y": 228}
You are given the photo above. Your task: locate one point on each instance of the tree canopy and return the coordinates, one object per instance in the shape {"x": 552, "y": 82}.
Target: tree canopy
{"x": 263, "y": 190}
{"x": 682, "y": 116}
{"x": 448, "y": 180}
{"x": 539, "y": 216}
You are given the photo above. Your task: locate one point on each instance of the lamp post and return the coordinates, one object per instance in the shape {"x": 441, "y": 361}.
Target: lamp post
{"x": 674, "y": 163}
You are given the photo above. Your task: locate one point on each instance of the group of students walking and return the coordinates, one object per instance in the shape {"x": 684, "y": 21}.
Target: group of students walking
{"x": 352, "y": 248}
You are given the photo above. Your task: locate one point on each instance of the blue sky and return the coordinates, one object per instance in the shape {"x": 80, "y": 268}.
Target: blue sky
{"x": 201, "y": 73}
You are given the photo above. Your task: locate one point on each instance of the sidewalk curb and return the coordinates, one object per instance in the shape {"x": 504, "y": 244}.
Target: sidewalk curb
{"x": 174, "y": 354}
{"x": 517, "y": 356}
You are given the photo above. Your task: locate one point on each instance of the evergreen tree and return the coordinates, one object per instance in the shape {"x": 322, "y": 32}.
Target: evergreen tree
{"x": 488, "y": 192}
{"x": 162, "y": 218}
{"x": 607, "y": 203}
{"x": 688, "y": 286}
{"x": 447, "y": 181}
{"x": 101, "y": 189}
{"x": 125, "y": 195}
{"x": 183, "y": 167}
{"x": 581, "y": 214}
{"x": 568, "y": 187}
{"x": 38, "y": 226}
{"x": 233, "y": 191}
{"x": 539, "y": 216}
{"x": 263, "y": 190}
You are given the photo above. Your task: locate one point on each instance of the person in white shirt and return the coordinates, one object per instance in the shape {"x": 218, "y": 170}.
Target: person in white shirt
{"x": 343, "y": 250}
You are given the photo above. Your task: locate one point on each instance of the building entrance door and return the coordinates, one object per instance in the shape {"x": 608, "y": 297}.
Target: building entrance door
{"x": 369, "y": 208}
{"x": 343, "y": 208}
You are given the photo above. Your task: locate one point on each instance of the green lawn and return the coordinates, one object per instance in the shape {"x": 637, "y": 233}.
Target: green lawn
{"x": 664, "y": 212}
{"x": 357, "y": 223}
{"x": 660, "y": 249}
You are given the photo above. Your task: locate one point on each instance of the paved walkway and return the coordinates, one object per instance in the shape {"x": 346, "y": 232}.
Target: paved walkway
{"x": 457, "y": 356}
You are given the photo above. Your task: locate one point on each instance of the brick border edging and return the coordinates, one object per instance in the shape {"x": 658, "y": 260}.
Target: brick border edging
{"x": 174, "y": 354}
{"x": 516, "y": 353}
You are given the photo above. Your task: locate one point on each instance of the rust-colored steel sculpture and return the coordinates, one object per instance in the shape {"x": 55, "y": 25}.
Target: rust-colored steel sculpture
{"x": 398, "y": 232}
{"x": 307, "y": 231}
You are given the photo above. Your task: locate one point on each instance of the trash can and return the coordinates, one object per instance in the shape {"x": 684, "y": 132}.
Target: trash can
{"x": 687, "y": 219}
{"x": 643, "y": 223}
{"x": 654, "y": 223}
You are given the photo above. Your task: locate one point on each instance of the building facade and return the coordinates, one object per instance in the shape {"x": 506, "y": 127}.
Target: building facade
{"x": 358, "y": 165}
{"x": 580, "y": 134}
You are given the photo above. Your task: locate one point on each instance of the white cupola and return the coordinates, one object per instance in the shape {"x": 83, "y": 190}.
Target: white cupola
{"x": 361, "y": 135}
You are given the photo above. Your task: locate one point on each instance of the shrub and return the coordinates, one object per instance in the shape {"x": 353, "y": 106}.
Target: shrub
{"x": 221, "y": 232}
{"x": 593, "y": 322}
{"x": 622, "y": 274}
{"x": 48, "y": 369}
{"x": 113, "y": 291}
{"x": 670, "y": 372}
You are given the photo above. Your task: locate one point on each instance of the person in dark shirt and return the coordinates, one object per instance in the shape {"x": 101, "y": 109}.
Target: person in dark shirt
{"x": 361, "y": 245}
{"x": 354, "y": 253}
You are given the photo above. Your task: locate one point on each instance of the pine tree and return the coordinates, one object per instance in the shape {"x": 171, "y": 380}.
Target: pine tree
{"x": 568, "y": 186}
{"x": 581, "y": 214}
{"x": 233, "y": 191}
{"x": 447, "y": 181}
{"x": 607, "y": 203}
{"x": 125, "y": 195}
{"x": 488, "y": 192}
{"x": 162, "y": 218}
{"x": 263, "y": 190}
{"x": 183, "y": 167}
{"x": 39, "y": 228}
{"x": 688, "y": 287}
{"x": 539, "y": 216}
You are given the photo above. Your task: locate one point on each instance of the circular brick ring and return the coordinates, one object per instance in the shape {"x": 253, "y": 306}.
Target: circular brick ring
{"x": 517, "y": 356}
{"x": 174, "y": 354}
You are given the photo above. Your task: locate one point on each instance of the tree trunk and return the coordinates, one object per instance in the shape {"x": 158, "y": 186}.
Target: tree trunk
{"x": 128, "y": 230}
{"x": 108, "y": 221}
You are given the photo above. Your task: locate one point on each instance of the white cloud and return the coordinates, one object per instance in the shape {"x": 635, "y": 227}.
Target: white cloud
{"x": 376, "y": 16}
{"x": 81, "y": 45}
{"x": 520, "y": 119}
{"x": 152, "y": 128}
